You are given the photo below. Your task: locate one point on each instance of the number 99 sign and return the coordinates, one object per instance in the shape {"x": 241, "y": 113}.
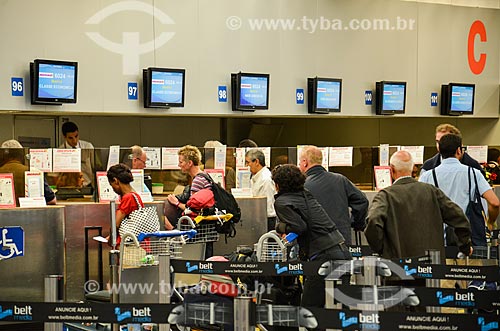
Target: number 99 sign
{"x": 299, "y": 96}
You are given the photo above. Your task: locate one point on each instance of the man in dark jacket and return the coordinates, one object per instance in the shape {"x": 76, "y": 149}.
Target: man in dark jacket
{"x": 434, "y": 161}
{"x": 406, "y": 219}
{"x": 319, "y": 240}
{"x": 335, "y": 193}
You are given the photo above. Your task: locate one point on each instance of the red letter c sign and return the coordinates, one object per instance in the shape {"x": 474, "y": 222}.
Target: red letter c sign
{"x": 477, "y": 28}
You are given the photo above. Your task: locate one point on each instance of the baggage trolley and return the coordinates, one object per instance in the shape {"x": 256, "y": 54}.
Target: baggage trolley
{"x": 147, "y": 262}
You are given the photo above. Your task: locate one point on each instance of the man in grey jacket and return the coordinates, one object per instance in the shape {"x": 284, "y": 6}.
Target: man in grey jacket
{"x": 406, "y": 219}
{"x": 335, "y": 193}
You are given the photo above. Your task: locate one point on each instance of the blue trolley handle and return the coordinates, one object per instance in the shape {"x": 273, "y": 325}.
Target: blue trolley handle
{"x": 167, "y": 234}
{"x": 291, "y": 237}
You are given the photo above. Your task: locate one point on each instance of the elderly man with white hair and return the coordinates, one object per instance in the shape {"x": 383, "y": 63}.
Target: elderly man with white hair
{"x": 406, "y": 219}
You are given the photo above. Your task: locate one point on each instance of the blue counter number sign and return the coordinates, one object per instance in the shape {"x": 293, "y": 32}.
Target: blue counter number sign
{"x": 132, "y": 91}
{"x": 299, "y": 96}
{"x": 17, "y": 86}
{"x": 11, "y": 242}
{"x": 434, "y": 99}
{"x": 368, "y": 98}
{"x": 222, "y": 93}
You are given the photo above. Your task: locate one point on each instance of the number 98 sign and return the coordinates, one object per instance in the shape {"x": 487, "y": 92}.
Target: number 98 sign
{"x": 222, "y": 93}
{"x": 17, "y": 86}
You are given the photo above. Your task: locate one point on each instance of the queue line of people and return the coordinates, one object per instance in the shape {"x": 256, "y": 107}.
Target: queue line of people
{"x": 322, "y": 207}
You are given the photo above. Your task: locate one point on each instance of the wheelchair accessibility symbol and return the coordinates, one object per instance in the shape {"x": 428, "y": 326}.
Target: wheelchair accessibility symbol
{"x": 11, "y": 242}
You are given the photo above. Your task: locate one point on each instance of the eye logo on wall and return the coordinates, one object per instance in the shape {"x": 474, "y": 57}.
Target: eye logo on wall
{"x": 130, "y": 47}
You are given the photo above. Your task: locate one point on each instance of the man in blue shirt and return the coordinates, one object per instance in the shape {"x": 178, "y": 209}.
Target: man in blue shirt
{"x": 435, "y": 161}
{"x": 453, "y": 178}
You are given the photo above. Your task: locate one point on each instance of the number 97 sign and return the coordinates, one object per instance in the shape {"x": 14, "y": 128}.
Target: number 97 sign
{"x": 17, "y": 86}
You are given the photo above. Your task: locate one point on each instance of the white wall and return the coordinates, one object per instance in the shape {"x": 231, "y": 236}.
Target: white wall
{"x": 432, "y": 53}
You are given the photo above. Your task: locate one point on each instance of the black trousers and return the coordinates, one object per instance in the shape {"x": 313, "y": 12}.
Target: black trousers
{"x": 271, "y": 223}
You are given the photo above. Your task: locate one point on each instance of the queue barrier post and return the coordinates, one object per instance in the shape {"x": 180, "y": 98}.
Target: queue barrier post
{"x": 435, "y": 258}
{"x": 53, "y": 287}
{"x": 243, "y": 314}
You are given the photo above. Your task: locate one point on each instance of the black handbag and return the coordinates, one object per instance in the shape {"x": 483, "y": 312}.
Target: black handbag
{"x": 475, "y": 214}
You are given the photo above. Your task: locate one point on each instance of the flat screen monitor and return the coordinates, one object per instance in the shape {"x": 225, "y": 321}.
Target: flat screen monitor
{"x": 249, "y": 91}
{"x": 390, "y": 98}
{"x": 324, "y": 95}
{"x": 457, "y": 99}
{"x": 163, "y": 87}
{"x": 53, "y": 82}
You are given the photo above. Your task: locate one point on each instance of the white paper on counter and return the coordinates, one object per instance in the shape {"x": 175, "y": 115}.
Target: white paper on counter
{"x": 105, "y": 190}
{"x": 32, "y": 202}
{"x": 7, "y": 197}
{"x": 417, "y": 153}
{"x": 170, "y": 158}
{"x": 383, "y": 154}
{"x": 240, "y": 157}
{"x": 220, "y": 157}
{"x": 114, "y": 156}
{"x": 41, "y": 159}
{"x": 138, "y": 182}
{"x": 383, "y": 177}
{"x": 33, "y": 184}
{"x": 243, "y": 175}
{"x": 154, "y": 157}
{"x": 67, "y": 160}
{"x": 340, "y": 156}
{"x": 478, "y": 153}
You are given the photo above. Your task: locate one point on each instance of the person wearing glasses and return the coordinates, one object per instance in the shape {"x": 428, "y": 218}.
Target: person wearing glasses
{"x": 139, "y": 159}
{"x": 262, "y": 183}
{"x": 435, "y": 161}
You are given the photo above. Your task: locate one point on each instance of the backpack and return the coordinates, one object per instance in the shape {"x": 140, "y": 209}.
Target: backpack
{"x": 224, "y": 201}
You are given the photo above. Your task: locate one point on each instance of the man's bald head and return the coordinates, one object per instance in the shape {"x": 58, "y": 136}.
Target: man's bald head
{"x": 309, "y": 157}
{"x": 401, "y": 164}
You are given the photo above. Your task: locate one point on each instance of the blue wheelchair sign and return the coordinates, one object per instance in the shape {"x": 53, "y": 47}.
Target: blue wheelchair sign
{"x": 11, "y": 242}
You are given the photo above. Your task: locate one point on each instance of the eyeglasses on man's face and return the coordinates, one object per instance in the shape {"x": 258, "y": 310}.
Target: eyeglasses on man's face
{"x": 143, "y": 161}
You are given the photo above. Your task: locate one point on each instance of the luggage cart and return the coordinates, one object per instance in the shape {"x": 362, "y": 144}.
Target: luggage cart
{"x": 145, "y": 259}
{"x": 205, "y": 228}
{"x": 138, "y": 252}
{"x": 271, "y": 247}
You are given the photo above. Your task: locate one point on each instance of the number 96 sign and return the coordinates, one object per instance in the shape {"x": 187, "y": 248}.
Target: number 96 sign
{"x": 17, "y": 86}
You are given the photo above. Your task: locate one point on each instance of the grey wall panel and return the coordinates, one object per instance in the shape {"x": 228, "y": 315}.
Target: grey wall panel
{"x": 22, "y": 277}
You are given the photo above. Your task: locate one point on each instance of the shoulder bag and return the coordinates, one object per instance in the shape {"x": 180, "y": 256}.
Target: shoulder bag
{"x": 475, "y": 214}
{"x": 141, "y": 220}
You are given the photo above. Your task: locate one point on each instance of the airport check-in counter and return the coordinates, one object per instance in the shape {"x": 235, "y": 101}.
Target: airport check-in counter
{"x": 22, "y": 277}
{"x": 82, "y": 218}
{"x": 252, "y": 225}
{"x": 55, "y": 245}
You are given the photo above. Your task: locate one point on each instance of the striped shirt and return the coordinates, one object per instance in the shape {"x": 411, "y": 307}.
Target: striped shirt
{"x": 199, "y": 182}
